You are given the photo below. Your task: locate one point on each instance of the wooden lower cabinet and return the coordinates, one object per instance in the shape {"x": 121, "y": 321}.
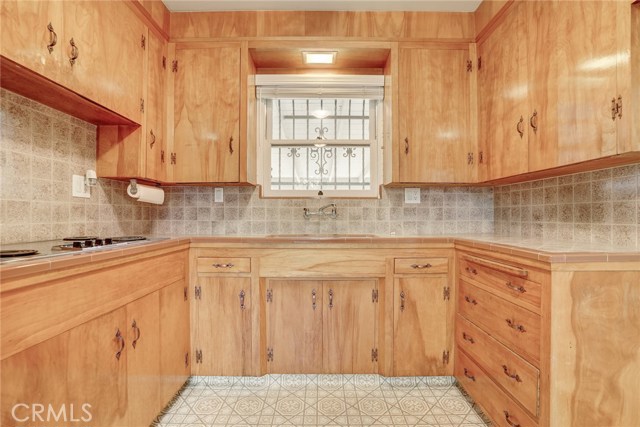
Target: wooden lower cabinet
{"x": 222, "y": 338}
{"x": 315, "y": 326}
{"x": 175, "y": 357}
{"x": 421, "y": 313}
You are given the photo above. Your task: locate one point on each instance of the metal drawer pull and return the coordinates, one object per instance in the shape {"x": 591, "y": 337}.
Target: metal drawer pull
{"x": 513, "y": 325}
{"x": 153, "y": 139}
{"x": 470, "y": 300}
{"x": 134, "y": 325}
{"x": 242, "y": 307}
{"x": 533, "y": 121}
{"x": 515, "y": 377}
{"x": 468, "y": 338}
{"x": 120, "y": 338}
{"x": 229, "y": 265}
{"x": 507, "y": 417}
{"x": 74, "y": 52}
{"x": 420, "y": 266}
{"x": 406, "y": 144}
{"x": 313, "y": 298}
{"x": 520, "y": 127}
{"x": 402, "y": 301}
{"x": 231, "y": 145}
{"x": 330, "y": 298}
{"x": 471, "y": 270}
{"x": 468, "y": 375}
{"x": 520, "y": 288}
{"x": 53, "y": 38}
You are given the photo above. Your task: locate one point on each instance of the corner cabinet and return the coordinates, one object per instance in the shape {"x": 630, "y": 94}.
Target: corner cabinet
{"x": 204, "y": 113}
{"x": 435, "y": 141}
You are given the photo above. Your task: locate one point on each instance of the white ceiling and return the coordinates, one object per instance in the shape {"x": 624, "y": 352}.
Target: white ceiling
{"x": 350, "y": 5}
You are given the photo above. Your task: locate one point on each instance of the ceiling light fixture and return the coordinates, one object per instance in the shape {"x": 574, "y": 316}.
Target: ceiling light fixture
{"x": 319, "y": 57}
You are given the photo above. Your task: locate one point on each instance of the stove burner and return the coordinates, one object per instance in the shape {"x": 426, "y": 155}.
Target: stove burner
{"x": 79, "y": 238}
{"x": 18, "y": 252}
{"x": 122, "y": 239}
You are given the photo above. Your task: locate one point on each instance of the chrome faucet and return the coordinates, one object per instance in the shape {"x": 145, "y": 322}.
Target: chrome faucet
{"x": 332, "y": 213}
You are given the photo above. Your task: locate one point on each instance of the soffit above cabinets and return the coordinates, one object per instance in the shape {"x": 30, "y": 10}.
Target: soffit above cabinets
{"x": 290, "y": 58}
{"x": 331, "y": 5}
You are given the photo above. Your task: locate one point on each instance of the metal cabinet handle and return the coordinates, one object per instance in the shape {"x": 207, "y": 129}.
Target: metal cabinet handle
{"x": 471, "y": 270}
{"x": 135, "y": 327}
{"x": 74, "y": 52}
{"x": 161, "y": 156}
{"x": 186, "y": 359}
{"x": 468, "y": 375}
{"x": 520, "y": 288}
{"x": 153, "y": 138}
{"x": 614, "y": 108}
{"x": 533, "y": 121}
{"x": 228, "y": 265}
{"x": 507, "y": 417}
{"x": 406, "y": 145}
{"x": 513, "y": 325}
{"x": 468, "y": 338}
{"x": 231, "y": 145}
{"x": 402, "y": 295}
{"x": 420, "y": 266}
{"x": 330, "y": 298}
{"x": 520, "y": 127}
{"x": 619, "y": 106}
{"x": 242, "y": 294}
{"x": 470, "y": 300}
{"x": 53, "y": 38}
{"x": 515, "y": 377}
{"x": 314, "y": 293}
{"x": 120, "y": 338}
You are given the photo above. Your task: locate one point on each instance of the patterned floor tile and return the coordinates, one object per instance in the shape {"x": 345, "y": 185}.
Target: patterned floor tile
{"x": 321, "y": 400}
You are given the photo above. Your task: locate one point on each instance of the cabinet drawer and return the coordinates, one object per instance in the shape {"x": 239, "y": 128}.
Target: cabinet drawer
{"x": 505, "y": 281}
{"x": 513, "y": 373}
{"x": 421, "y": 266}
{"x": 502, "y": 410}
{"x": 224, "y": 265}
{"x": 513, "y": 326}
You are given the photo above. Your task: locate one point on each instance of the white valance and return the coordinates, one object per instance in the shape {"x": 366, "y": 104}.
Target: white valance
{"x": 309, "y": 86}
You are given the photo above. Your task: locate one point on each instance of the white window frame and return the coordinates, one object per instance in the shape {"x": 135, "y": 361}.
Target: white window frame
{"x": 265, "y": 143}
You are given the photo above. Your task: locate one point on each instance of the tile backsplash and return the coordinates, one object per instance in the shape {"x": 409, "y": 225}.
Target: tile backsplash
{"x": 601, "y": 207}
{"x": 40, "y": 149}
{"x": 190, "y": 210}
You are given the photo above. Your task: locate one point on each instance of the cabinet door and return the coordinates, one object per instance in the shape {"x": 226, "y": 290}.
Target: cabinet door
{"x": 294, "y": 326}
{"x": 206, "y": 114}
{"x": 175, "y": 361}
{"x": 349, "y": 327}
{"x": 36, "y": 375}
{"x": 24, "y": 35}
{"x": 435, "y": 116}
{"x": 109, "y": 64}
{"x": 587, "y": 61}
{"x": 504, "y": 97}
{"x": 223, "y": 333}
{"x": 155, "y": 135}
{"x": 95, "y": 373}
{"x": 421, "y": 326}
{"x": 143, "y": 359}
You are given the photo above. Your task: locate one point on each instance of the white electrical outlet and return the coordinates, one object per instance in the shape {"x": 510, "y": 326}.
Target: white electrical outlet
{"x": 79, "y": 187}
{"x": 412, "y": 195}
{"x": 218, "y": 195}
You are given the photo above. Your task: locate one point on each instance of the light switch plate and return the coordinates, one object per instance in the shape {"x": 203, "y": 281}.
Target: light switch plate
{"x": 412, "y": 195}
{"x": 218, "y": 196}
{"x": 78, "y": 187}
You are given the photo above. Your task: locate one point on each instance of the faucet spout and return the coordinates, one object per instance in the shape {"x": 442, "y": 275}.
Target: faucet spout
{"x": 330, "y": 210}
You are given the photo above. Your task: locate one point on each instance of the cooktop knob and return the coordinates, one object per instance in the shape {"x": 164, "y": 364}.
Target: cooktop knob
{"x": 88, "y": 243}
{"x": 98, "y": 242}
{"x": 108, "y": 241}
{"x": 77, "y": 245}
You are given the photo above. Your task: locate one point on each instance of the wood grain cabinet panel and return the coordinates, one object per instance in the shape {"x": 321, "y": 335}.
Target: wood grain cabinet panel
{"x": 223, "y": 329}
{"x": 155, "y": 139}
{"x": 206, "y": 114}
{"x": 434, "y": 137}
{"x": 421, "y": 326}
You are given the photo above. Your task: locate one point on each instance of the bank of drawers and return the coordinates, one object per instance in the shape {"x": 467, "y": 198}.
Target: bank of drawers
{"x": 498, "y": 329}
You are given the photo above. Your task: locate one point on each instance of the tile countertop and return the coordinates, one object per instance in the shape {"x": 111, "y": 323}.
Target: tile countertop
{"x": 546, "y": 251}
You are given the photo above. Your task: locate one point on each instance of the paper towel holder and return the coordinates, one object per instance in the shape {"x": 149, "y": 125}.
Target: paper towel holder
{"x": 134, "y": 186}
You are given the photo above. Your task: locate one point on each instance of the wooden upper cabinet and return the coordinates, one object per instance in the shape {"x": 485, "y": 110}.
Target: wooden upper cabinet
{"x": 434, "y": 137}
{"x": 503, "y": 97}
{"x": 206, "y": 113}
{"x": 108, "y": 46}
{"x": 26, "y": 37}
{"x": 155, "y": 140}
{"x": 422, "y": 326}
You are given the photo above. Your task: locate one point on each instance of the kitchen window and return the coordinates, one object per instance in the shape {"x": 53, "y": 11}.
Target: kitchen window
{"x": 319, "y": 139}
